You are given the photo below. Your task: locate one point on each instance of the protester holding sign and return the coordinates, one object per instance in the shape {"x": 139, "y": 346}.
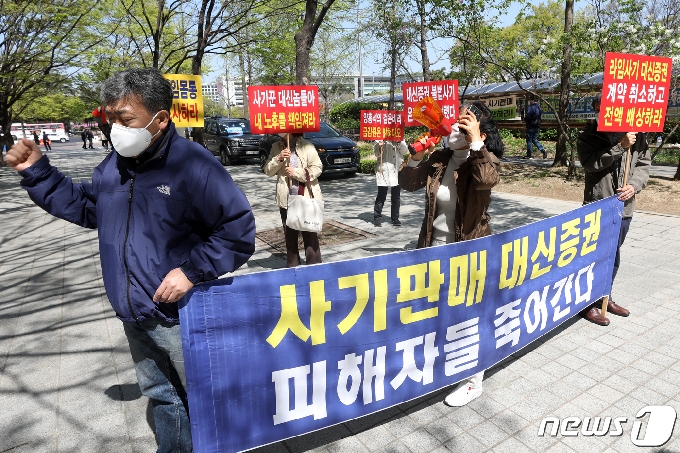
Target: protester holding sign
{"x": 458, "y": 182}
{"x": 607, "y": 173}
{"x": 389, "y": 156}
{"x": 168, "y": 217}
{"x": 293, "y": 160}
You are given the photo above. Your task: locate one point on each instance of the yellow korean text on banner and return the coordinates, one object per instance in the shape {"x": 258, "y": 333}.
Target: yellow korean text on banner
{"x": 187, "y": 100}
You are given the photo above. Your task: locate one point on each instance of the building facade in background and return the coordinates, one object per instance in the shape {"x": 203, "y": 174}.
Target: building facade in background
{"x": 228, "y": 93}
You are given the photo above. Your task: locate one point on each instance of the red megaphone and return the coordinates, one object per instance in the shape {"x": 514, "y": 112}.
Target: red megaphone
{"x": 428, "y": 113}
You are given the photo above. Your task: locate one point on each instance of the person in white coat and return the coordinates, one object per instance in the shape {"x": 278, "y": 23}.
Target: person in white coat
{"x": 289, "y": 166}
{"x": 389, "y": 156}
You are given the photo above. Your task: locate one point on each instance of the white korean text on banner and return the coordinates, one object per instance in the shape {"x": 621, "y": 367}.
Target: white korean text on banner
{"x": 281, "y": 353}
{"x": 444, "y": 92}
{"x": 276, "y": 109}
{"x": 635, "y": 92}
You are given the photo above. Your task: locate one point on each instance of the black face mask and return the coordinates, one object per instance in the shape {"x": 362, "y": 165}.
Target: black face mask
{"x": 612, "y": 137}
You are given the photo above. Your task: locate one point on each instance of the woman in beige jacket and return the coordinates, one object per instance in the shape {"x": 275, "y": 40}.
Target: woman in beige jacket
{"x": 289, "y": 166}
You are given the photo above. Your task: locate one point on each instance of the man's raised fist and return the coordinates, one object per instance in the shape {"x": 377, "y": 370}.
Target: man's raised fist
{"x": 23, "y": 154}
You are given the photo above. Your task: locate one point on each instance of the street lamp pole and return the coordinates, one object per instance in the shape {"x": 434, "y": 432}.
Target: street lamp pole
{"x": 360, "y": 84}
{"x": 228, "y": 96}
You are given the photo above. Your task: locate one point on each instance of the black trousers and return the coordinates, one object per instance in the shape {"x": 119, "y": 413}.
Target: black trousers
{"x": 309, "y": 239}
{"x": 380, "y": 201}
{"x": 625, "y": 225}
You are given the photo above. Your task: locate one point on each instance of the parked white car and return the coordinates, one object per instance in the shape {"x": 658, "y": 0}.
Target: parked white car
{"x": 58, "y": 137}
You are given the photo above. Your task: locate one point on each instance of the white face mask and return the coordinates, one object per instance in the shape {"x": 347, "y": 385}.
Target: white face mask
{"x": 457, "y": 139}
{"x": 131, "y": 141}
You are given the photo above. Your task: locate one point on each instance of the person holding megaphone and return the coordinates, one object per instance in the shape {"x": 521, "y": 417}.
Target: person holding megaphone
{"x": 458, "y": 179}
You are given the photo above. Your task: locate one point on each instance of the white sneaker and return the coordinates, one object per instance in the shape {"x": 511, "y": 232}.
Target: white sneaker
{"x": 462, "y": 395}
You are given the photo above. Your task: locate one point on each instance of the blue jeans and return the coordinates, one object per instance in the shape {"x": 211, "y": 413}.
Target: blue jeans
{"x": 156, "y": 348}
{"x": 532, "y": 137}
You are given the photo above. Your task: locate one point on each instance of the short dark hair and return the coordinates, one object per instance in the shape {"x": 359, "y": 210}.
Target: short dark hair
{"x": 154, "y": 90}
{"x": 488, "y": 125}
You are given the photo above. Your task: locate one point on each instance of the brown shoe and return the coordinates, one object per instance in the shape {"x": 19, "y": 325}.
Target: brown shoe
{"x": 617, "y": 309}
{"x": 593, "y": 315}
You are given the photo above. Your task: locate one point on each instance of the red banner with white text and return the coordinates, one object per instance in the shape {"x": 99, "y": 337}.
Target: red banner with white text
{"x": 635, "y": 93}
{"x": 382, "y": 125}
{"x": 444, "y": 92}
{"x": 276, "y": 109}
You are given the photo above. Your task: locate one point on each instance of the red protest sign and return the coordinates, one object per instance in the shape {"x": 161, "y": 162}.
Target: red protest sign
{"x": 445, "y": 92}
{"x": 382, "y": 125}
{"x": 275, "y": 109}
{"x": 635, "y": 93}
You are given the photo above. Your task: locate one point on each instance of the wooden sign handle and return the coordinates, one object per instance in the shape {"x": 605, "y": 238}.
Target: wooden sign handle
{"x": 605, "y": 303}
{"x": 625, "y": 175}
{"x": 381, "y": 157}
{"x": 290, "y": 180}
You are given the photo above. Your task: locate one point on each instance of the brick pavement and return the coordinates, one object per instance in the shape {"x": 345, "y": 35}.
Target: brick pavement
{"x": 67, "y": 382}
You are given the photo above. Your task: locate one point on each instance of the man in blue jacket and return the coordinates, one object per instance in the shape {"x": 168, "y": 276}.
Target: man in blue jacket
{"x": 532, "y": 120}
{"x": 168, "y": 216}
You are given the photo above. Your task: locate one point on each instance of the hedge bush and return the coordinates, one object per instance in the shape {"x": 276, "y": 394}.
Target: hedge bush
{"x": 367, "y": 166}
{"x": 346, "y": 116}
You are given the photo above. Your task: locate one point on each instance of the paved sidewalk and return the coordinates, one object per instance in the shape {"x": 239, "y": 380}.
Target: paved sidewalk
{"x": 67, "y": 382}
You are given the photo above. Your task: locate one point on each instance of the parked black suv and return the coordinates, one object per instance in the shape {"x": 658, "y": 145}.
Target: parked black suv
{"x": 230, "y": 139}
{"x": 338, "y": 153}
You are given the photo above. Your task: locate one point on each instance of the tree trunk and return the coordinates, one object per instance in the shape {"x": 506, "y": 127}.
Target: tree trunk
{"x": 302, "y": 51}
{"x": 393, "y": 75}
{"x": 423, "y": 41}
{"x": 304, "y": 38}
{"x": 196, "y": 62}
{"x": 663, "y": 140}
{"x": 7, "y": 141}
{"x": 565, "y": 85}
{"x": 157, "y": 34}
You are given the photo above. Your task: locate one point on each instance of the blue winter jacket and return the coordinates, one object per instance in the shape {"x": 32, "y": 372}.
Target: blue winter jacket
{"x": 180, "y": 208}
{"x": 533, "y": 116}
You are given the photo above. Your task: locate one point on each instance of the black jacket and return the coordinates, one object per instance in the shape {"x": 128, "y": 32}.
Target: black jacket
{"x": 533, "y": 116}
{"x": 603, "y": 159}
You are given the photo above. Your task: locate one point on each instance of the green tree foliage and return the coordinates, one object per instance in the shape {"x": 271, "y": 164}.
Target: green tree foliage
{"x": 57, "y": 107}
{"x": 39, "y": 41}
{"x": 212, "y": 108}
{"x": 332, "y": 56}
{"x": 629, "y": 26}
{"x": 530, "y": 46}
{"x": 274, "y": 56}
{"x": 390, "y": 22}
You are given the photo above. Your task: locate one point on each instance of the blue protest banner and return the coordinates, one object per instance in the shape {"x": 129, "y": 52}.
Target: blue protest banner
{"x": 281, "y": 353}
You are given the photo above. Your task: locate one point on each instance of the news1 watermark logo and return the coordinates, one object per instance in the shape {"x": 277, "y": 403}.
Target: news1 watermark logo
{"x": 659, "y": 428}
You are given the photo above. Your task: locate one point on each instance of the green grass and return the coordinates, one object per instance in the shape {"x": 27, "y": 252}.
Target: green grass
{"x": 666, "y": 156}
